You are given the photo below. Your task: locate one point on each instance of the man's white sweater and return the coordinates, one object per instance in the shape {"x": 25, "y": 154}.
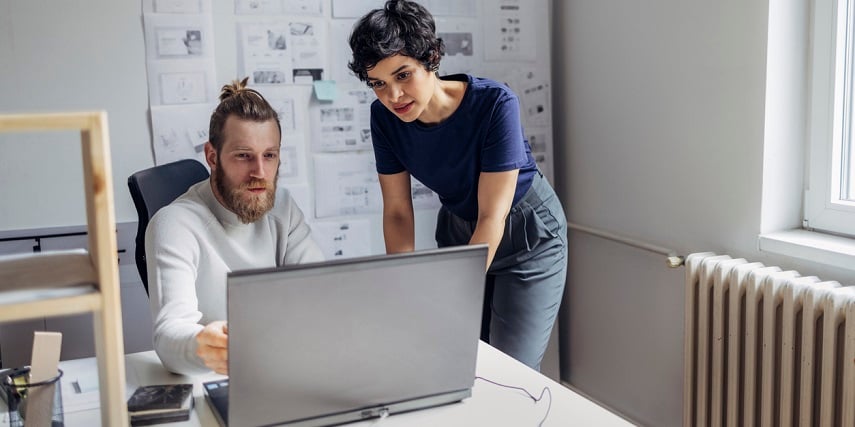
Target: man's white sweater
{"x": 192, "y": 244}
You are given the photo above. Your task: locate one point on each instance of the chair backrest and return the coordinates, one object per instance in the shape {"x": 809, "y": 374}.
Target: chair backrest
{"x": 154, "y": 188}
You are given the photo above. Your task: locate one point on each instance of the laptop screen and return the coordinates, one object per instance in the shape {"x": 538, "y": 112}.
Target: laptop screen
{"x": 333, "y": 342}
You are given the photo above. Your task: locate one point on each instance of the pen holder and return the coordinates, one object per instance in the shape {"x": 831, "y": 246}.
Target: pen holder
{"x": 22, "y": 396}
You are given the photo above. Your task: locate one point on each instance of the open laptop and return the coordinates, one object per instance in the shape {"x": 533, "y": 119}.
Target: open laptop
{"x": 340, "y": 341}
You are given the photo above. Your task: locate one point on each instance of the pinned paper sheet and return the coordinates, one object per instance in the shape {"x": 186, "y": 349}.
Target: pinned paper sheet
{"x": 325, "y": 90}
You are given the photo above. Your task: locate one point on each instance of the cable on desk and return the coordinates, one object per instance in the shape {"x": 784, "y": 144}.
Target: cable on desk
{"x": 531, "y": 396}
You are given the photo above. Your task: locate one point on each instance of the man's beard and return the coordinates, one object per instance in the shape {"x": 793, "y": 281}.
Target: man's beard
{"x": 248, "y": 209}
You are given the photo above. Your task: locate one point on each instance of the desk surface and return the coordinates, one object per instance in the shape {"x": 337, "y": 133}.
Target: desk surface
{"x": 489, "y": 405}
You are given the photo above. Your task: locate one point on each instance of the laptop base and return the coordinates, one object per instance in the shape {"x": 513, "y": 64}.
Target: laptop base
{"x": 216, "y": 393}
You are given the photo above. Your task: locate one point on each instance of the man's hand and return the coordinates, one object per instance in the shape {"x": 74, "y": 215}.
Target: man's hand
{"x": 213, "y": 344}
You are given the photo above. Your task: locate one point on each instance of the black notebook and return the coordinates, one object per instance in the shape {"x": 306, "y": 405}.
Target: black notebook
{"x": 161, "y": 403}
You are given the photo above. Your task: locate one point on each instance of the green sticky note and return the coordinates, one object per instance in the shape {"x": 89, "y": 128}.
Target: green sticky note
{"x": 325, "y": 90}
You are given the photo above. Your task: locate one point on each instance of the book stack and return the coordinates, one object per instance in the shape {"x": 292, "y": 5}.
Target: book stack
{"x": 162, "y": 403}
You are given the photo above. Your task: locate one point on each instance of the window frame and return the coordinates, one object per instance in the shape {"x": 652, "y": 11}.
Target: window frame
{"x": 824, "y": 210}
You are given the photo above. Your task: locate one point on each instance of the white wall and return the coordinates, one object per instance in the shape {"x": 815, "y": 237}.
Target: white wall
{"x": 661, "y": 123}
{"x": 59, "y": 56}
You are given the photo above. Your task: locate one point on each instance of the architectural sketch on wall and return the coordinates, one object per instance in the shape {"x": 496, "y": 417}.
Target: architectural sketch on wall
{"x": 180, "y": 132}
{"x": 340, "y": 52}
{"x": 463, "y": 50}
{"x": 509, "y": 30}
{"x": 265, "y": 57}
{"x": 342, "y": 239}
{"x": 285, "y": 108}
{"x": 179, "y": 46}
{"x": 533, "y": 92}
{"x": 308, "y": 38}
{"x": 303, "y": 7}
{"x": 278, "y": 7}
{"x": 183, "y": 86}
{"x": 185, "y": 7}
{"x": 178, "y": 36}
{"x": 283, "y": 52}
{"x": 258, "y": 7}
{"x": 541, "y": 150}
{"x": 346, "y": 184}
{"x": 292, "y": 159}
{"x": 179, "y": 58}
{"x": 344, "y": 124}
{"x": 290, "y": 102}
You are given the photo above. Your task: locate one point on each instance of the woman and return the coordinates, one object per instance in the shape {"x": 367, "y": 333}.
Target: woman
{"x": 462, "y": 137}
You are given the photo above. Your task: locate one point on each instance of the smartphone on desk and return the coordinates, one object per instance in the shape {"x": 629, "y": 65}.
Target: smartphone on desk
{"x": 217, "y": 395}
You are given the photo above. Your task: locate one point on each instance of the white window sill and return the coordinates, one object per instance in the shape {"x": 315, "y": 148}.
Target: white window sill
{"x": 817, "y": 247}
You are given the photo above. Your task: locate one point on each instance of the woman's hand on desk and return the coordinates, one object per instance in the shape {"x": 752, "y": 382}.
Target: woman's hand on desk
{"x": 213, "y": 343}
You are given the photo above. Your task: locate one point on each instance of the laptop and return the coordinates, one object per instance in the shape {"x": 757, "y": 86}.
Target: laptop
{"x": 340, "y": 341}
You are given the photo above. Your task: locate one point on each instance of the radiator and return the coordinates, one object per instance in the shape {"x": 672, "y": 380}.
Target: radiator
{"x": 766, "y": 347}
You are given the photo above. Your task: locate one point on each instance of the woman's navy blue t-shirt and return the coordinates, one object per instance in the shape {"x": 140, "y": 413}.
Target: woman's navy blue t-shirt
{"x": 484, "y": 134}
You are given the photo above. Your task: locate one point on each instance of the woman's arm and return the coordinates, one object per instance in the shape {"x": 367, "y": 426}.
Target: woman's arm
{"x": 495, "y": 196}
{"x": 398, "y": 222}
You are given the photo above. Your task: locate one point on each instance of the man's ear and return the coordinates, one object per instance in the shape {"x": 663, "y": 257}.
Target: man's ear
{"x": 210, "y": 155}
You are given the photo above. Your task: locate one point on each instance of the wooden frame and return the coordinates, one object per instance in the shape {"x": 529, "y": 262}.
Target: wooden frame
{"x": 104, "y": 302}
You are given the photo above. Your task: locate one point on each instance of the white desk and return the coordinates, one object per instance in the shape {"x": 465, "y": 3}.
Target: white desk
{"x": 490, "y": 405}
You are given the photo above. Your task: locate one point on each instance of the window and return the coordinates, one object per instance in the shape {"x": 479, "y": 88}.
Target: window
{"x": 830, "y": 189}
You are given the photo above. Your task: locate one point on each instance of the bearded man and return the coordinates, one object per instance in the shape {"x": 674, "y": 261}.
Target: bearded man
{"x": 236, "y": 220}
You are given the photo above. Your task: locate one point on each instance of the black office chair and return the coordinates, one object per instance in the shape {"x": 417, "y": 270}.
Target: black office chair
{"x": 154, "y": 188}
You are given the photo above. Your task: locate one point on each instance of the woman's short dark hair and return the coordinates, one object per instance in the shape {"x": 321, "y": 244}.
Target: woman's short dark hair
{"x": 401, "y": 28}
